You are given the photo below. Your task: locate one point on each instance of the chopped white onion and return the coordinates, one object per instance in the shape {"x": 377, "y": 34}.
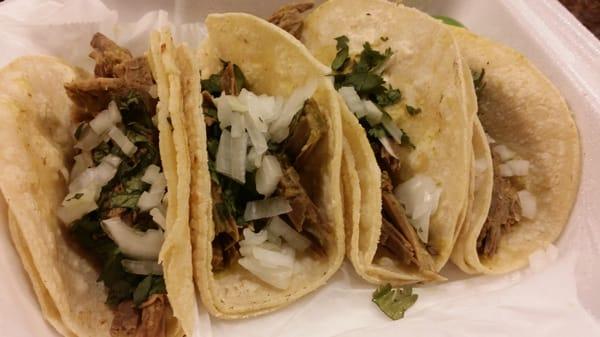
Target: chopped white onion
{"x": 273, "y": 258}
{"x": 253, "y": 160}
{"x": 106, "y": 119}
{"x": 504, "y": 152}
{"x": 223, "y": 111}
{"x": 151, "y": 174}
{"x": 149, "y": 200}
{"x": 251, "y": 238}
{"x": 143, "y": 267}
{"x": 134, "y": 243}
{"x": 420, "y": 195}
{"x": 122, "y": 141}
{"x": 387, "y": 145}
{"x": 257, "y": 137}
{"x": 278, "y": 277}
{"x": 528, "y": 204}
{"x": 158, "y": 217}
{"x": 89, "y": 140}
{"x": 505, "y": 170}
{"x": 268, "y": 175}
{"x": 353, "y": 101}
{"x": 373, "y": 113}
{"x": 235, "y": 104}
{"x": 392, "y": 129}
{"x": 294, "y": 103}
{"x": 280, "y": 228}
{"x": 231, "y": 156}
{"x": 238, "y": 124}
{"x": 267, "y": 208}
{"x": 518, "y": 167}
{"x": 76, "y": 205}
{"x": 260, "y": 109}
{"x": 83, "y": 161}
{"x": 96, "y": 176}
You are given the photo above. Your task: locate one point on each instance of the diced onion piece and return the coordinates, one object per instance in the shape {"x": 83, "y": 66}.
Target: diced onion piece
{"x": 268, "y": 175}
{"x": 518, "y": 167}
{"x": 278, "y": 277}
{"x": 112, "y": 160}
{"x": 266, "y": 208}
{"x": 528, "y": 204}
{"x": 83, "y": 161}
{"x": 257, "y": 137}
{"x": 260, "y": 109}
{"x": 122, "y": 141}
{"x": 76, "y": 205}
{"x": 231, "y": 156}
{"x": 151, "y": 174}
{"x": 253, "y": 239}
{"x": 387, "y": 145}
{"x": 238, "y": 124}
{"x": 420, "y": 195}
{"x": 280, "y": 228}
{"x": 89, "y": 140}
{"x": 392, "y": 129}
{"x": 106, "y": 119}
{"x": 96, "y": 176}
{"x": 134, "y": 243}
{"x": 272, "y": 258}
{"x": 279, "y": 130}
{"x": 159, "y": 185}
{"x": 143, "y": 267}
{"x": 149, "y": 200}
{"x": 273, "y": 238}
{"x": 504, "y": 152}
{"x": 223, "y": 111}
{"x": 158, "y": 217}
{"x": 373, "y": 113}
{"x": 235, "y": 104}
{"x": 253, "y": 160}
{"x": 505, "y": 170}
{"x": 353, "y": 101}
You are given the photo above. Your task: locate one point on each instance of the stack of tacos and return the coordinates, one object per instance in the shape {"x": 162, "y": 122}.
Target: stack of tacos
{"x": 251, "y": 166}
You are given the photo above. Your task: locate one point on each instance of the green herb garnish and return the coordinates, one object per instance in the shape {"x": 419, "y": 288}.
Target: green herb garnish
{"x": 412, "y": 110}
{"x": 449, "y": 21}
{"x": 394, "y": 302}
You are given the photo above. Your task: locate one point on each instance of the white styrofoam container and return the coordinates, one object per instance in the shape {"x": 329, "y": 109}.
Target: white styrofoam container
{"x": 542, "y": 30}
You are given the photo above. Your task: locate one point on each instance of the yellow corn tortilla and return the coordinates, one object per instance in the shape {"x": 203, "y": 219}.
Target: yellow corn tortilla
{"x": 520, "y": 108}
{"x": 274, "y": 63}
{"x": 37, "y": 133}
{"x": 427, "y": 68}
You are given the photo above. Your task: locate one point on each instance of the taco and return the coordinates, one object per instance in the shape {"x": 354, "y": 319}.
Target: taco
{"x": 86, "y": 167}
{"x": 407, "y": 125}
{"x": 527, "y": 164}
{"x": 266, "y": 150}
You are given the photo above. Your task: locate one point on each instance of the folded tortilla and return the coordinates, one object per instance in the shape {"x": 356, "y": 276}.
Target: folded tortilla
{"x": 427, "y": 68}
{"x": 520, "y": 110}
{"x": 38, "y": 135}
{"x": 274, "y": 64}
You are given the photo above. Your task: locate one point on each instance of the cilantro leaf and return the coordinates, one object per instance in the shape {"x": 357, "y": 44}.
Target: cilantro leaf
{"x": 394, "y": 302}
{"x": 342, "y": 53}
{"x": 363, "y": 82}
{"x": 406, "y": 140}
{"x": 212, "y": 84}
{"x": 412, "y": 110}
{"x": 377, "y": 132}
{"x": 449, "y": 21}
{"x": 388, "y": 97}
{"x": 142, "y": 290}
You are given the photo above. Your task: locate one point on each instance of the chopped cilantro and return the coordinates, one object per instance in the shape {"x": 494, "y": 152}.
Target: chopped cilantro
{"x": 449, "y": 21}
{"x": 394, "y": 302}
{"x": 412, "y": 110}
{"x": 342, "y": 53}
{"x": 79, "y": 130}
{"x": 212, "y": 84}
{"x": 377, "y": 132}
{"x": 77, "y": 196}
{"x": 388, "y": 97}
{"x": 406, "y": 140}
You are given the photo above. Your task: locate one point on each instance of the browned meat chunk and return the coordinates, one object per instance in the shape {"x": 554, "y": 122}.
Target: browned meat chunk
{"x": 155, "y": 311}
{"x": 226, "y": 232}
{"x": 126, "y": 319}
{"x": 306, "y": 130}
{"x": 135, "y": 71}
{"x": 228, "y": 81}
{"x": 290, "y": 18}
{"x": 107, "y": 55}
{"x": 505, "y": 212}
{"x": 303, "y": 209}
{"x": 387, "y": 162}
{"x": 398, "y": 235}
{"x": 93, "y": 95}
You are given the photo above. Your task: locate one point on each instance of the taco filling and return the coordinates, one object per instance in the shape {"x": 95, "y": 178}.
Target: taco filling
{"x": 407, "y": 203}
{"x": 511, "y": 201}
{"x": 265, "y": 220}
{"x": 115, "y": 208}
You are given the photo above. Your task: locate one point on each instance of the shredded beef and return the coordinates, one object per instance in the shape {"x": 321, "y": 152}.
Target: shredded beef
{"x": 303, "y": 209}
{"x": 154, "y": 316}
{"x": 135, "y": 71}
{"x": 305, "y": 132}
{"x": 398, "y": 235}
{"x": 387, "y": 162}
{"x": 228, "y": 82}
{"x": 290, "y": 18}
{"x": 505, "y": 212}
{"x": 107, "y": 55}
{"x": 126, "y": 320}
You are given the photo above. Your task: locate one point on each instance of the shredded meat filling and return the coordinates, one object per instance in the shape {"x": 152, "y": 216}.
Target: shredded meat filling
{"x": 153, "y": 322}
{"x": 290, "y": 18}
{"x": 505, "y": 212}
{"x": 306, "y": 131}
{"x": 126, "y": 320}
{"x": 398, "y": 236}
{"x": 226, "y": 233}
{"x": 107, "y": 55}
